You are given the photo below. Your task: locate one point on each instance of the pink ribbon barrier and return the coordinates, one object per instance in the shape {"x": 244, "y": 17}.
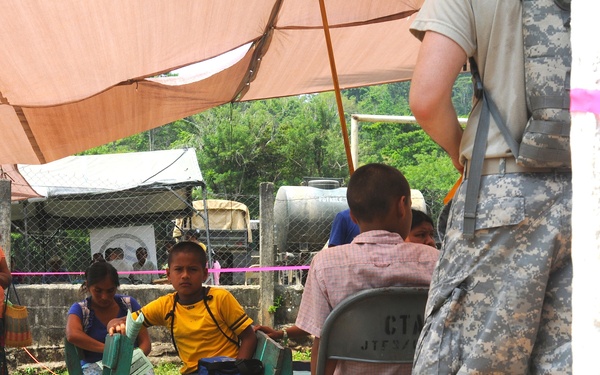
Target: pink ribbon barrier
{"x": 162, "y": 272}
{"x": 583, "y": 100}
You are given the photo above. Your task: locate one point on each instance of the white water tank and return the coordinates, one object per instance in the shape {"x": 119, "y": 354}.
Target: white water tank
{"x": 303, "y": 214}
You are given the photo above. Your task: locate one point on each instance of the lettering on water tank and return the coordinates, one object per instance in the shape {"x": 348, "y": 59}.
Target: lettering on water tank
{"x": 332, "y": 199}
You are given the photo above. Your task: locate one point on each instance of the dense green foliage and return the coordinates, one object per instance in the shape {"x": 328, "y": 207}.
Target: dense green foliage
{"x": 240, "y": 145}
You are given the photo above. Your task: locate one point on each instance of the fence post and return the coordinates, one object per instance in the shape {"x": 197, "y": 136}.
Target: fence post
{"x": 5, "y": 217}
{"x": 267, "y": 253}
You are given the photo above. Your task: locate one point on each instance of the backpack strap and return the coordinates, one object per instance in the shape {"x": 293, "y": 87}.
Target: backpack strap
{"x": 87, "y": 314}
{"x": 86, "y": 318}
{"x": 206, "y": 299}
{"x": 474, "y": 171}
{"x": 479, "y": 92}
{"x": 488, "y": 109}
{"x": 171, "y": 314}
{"x": 125, "y": 303}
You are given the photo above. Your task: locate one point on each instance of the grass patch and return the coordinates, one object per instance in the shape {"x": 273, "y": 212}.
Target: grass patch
{"x": 162, "y": 369}
{"x": 301, "y": 355}
{"x": 167, "y": 369}
{"x": 37, "y": 371}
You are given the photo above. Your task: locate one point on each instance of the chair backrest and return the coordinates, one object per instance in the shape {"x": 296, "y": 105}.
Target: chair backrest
{"x": 117, "y": 356}
{"x": 116, "y": 359}
{"x": 276, "y": 358}
{"x": 72, "y": 359}
{"x": 379, "y": 325}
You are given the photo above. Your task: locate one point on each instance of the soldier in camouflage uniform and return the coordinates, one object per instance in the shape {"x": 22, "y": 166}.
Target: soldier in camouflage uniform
{"x": 500, "y": 301}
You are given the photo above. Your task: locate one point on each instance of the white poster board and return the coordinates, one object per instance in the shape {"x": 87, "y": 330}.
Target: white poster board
{"x": 127, "y": 238}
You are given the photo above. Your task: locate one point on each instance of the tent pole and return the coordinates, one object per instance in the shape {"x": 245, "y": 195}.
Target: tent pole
{"x": 336, "y": 85}
{"x": 5, "y": 193}
{"x": 211, "y": 278}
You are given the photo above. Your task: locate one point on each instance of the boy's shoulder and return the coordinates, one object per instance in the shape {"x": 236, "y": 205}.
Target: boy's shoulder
{"x": 222, "y": 298}
{"x": 219, "y": 292}
{"x": 164, "y": 300}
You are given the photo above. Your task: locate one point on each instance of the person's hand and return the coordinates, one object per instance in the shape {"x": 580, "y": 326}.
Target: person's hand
{"x": 269, "y": 331}
{"x": 116, "y": 326}
{"x": 460, "y": 168}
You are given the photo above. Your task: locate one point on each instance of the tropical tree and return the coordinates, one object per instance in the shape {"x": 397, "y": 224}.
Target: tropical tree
{"x": 282, "y": 140}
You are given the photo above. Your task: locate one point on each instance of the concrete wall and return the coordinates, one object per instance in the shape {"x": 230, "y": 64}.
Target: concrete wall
{"x": 48, "y": 306}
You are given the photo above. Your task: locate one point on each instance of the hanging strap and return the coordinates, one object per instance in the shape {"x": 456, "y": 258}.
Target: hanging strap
{"x": 6, "y": 299}
{"x": 474, "y": 171}
{"x": 205, "y": 299}
{"x": 11, "y": 286}
{"x": 475, "y": 166}
{"x": 171, "y": 315}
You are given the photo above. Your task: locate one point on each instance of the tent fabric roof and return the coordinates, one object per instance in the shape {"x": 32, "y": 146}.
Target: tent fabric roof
{"x": 19, "y": 187}
{"x": 108, "y": 190}
{"x": 75, "y": 75}
{"x": 100, "y": 174}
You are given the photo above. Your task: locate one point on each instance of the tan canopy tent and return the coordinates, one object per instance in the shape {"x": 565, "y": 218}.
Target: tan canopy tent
{"x": 110, "y": 190}
{"x": 20, "y": 188}
{"x": 74, "y": 75}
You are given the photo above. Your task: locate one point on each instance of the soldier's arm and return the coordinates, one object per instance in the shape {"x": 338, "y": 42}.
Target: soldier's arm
{"x": 438, "y": 64}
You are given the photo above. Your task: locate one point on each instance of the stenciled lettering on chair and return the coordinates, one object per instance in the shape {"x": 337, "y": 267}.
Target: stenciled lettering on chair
{"x": 398, "y": 325}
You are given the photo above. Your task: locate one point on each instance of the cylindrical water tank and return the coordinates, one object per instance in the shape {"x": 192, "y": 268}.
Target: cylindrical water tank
{"x": 324, "y": 184}
{"x": 418, "y": 201}
{"x": 303, "y": 216}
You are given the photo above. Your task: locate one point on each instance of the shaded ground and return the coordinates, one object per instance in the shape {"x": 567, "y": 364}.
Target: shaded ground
{"x": 20, "y": 360}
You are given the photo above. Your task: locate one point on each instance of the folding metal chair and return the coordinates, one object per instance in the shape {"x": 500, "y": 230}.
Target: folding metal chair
{"x": 379, "y": 325}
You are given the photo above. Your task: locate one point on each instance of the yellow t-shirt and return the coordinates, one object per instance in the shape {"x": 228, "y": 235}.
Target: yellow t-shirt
{"x": 194, "y": 330}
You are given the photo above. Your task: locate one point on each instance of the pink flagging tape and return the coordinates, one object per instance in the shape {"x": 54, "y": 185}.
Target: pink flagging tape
{"x": 161, "y": 272}
{"x": 583, "y": 100}
{"x": 260, "y": 269}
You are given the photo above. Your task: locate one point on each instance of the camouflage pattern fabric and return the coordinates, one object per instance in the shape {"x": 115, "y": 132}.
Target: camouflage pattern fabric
{"x": 547, "y": 50}
{"x": 500, "y": 302}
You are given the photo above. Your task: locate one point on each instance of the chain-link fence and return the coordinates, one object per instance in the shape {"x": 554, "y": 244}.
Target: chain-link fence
{"x": 55, "y": 239}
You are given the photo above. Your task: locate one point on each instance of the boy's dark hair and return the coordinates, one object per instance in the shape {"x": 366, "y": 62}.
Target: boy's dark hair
{"x": 98, "y": 257}
{"x": 419, "y": 217}
{"x": 373, "y": 188}
{"x": 141, "y": 250}
{"x": 188, "y": 247}
{"x": 96, "y": 272}
{"x": 108, "y": 252}
{"x": 118, "y": 251}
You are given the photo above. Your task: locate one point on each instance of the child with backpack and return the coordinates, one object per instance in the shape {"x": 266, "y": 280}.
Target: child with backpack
{"x": 204, "y": 322}
{"x": 87, "y": 320}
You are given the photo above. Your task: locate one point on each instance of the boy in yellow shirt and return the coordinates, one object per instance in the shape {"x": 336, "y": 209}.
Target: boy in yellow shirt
{"x": 204, "y": 322}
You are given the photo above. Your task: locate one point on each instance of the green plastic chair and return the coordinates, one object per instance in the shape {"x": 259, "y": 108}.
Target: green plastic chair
{"x": 276, "y": 359}
{"x": 116, "y": 359}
